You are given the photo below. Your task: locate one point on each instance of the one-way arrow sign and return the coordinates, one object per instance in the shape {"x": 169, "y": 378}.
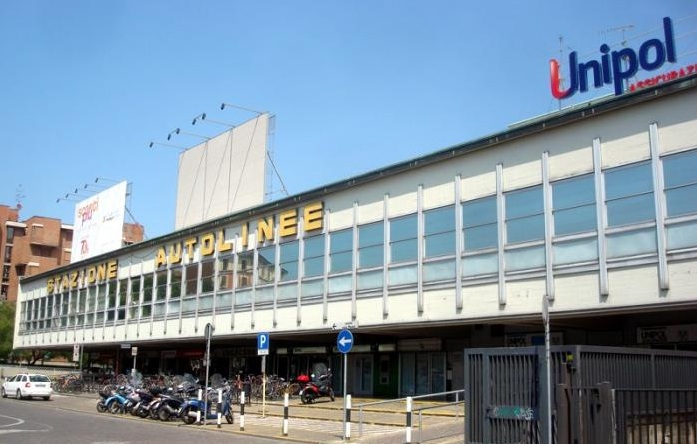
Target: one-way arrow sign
{"x": 344, "y": 341}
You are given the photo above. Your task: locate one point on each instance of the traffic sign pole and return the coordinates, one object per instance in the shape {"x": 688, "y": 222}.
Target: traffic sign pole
{"x": 263, "y": 351}
{"x": 344, "y": 343}
{"x": 345, "y": 381}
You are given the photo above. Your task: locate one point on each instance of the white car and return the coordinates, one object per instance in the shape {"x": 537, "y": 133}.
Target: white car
{"x": 27, "y": 385}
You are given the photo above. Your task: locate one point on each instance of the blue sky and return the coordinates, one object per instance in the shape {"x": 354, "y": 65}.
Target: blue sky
{"x": 354, "y": 85}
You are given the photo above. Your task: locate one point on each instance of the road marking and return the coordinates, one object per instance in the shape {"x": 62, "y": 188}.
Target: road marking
{"x": 19, "y": 421}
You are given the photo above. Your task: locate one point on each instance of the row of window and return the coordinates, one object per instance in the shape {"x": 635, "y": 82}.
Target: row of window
{"x": 275, "y": 270}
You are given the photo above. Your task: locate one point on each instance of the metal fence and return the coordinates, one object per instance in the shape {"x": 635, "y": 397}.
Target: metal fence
{"x": 656, "y": 416}
{"x": 506, "y": 390}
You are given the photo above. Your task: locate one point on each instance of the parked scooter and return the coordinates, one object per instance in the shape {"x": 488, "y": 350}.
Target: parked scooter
{"x": 317, "y": 387}
{"x": 118, "y": 402}
{"x": 194, "y": 407}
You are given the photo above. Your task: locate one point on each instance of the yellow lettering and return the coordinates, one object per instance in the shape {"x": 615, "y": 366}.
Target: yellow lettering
{"x": 207, "y": 244}
{"x": 160, "y": 257}
{"x": 245, "y": 235}
{"x": 288, "y": 223}
{"x": 101, "y": 272}
{"x": 312, "y": 216}
{"x": 175, "y": 253}
{"x": 91, "y": 275}
{"x": 65, "y": 283}
{"x": 81, "y": 278}
{"x": 73, "y": 279}
{"x": 222, "y": 244}
{"x": 265, "y": 229}
{"x": 112, "y": 269}
{"x": 190, "y": 247}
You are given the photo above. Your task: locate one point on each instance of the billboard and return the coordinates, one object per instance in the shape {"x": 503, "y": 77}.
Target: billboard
{"x": 225, "y": 174}
{"x": 98, "y": 223}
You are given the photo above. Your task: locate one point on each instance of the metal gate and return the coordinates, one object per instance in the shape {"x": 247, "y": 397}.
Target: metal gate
{"x": 506, "y": 391}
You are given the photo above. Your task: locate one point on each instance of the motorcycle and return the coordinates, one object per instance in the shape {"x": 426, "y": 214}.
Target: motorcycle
{"x": 118, "y": 402}
{"x": 101, "y": 404}
{"x": 317, "y": 387}
{"x": 170, "y": 404}
{"x": 142, "y": 406}
{"x": 194, "y": 406}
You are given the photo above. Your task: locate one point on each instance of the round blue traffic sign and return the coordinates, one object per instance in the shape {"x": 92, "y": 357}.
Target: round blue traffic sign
{"x": 344, "y": 341}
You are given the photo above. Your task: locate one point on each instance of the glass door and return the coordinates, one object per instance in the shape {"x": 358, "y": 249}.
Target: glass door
{"x": 363, "y": 375}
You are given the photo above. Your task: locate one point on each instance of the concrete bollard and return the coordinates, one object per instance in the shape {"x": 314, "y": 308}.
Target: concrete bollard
{"x": 407, "y": 439}
{"x": 285, "y": 414}
{"x": 242, "y": 411}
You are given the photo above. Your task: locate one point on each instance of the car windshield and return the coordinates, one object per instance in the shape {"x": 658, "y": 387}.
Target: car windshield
{"x": 39, "y": 378}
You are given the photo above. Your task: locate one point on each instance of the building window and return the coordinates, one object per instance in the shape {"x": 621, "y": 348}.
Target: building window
{"x": 288, "y": 262}
{"x": 439, "y": 232}
{"x": 123, "y": 287}
{"x": 90, "y": 294}
{"x": 160, "y": 285}
{"x": 629, "y": 194}
{"x": 175, "y": 284}
{"x": 5, "y": 273}
{"x": 191, "y": 280}
{"x": 573, "y": 203}
{"x": 225, "y": 272}
{"x": 680, "y": 177}
{"x": 146, "y": 306}
{"x": 10, "y": 235}
{"x": 403, "y": 239}
{"x": 525, "y": 215}
{"x": 266, "y": 265}
{"x": 370, "y": 245}
{"x": 8, "y": 253}
{"x": 313, "y": 258}
{"x": 245, "y": 269}
{"x": 207, "y": 276}
{"x": 341, "y": 251}
{"x": 479, "y": 224}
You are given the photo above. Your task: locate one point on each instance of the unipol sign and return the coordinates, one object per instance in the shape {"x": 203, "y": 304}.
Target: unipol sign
{"x": 614, "y": 67}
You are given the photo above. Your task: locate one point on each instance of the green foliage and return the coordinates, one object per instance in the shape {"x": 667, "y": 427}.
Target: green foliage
{"x": 7, "y": 328}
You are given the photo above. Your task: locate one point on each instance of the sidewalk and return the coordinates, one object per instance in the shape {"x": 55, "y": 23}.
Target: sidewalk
{"x": 322, "y": 422}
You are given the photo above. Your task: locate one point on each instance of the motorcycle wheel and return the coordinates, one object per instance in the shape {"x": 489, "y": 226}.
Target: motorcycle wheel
{"x": 115, "y": 407}
{"x": 101, "y": 408}
{"x": 331, "y": 394}
{"x": 163, "y": 413}
{"x": 306, "y": 397}
{"x": 188, "y": 419}
{"x": 152, "y": 412}
{"x": 142, "y": 412}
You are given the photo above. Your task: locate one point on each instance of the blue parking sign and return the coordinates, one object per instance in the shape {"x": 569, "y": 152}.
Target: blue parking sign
{"x": 262, "y": 344}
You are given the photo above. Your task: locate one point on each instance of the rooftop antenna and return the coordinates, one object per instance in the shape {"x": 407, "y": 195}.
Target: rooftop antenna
{"x": 19, "y": 195}
{"x": 562, "y": 47}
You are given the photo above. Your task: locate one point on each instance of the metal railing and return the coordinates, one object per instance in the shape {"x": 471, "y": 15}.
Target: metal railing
{"x": 404, "y": 400}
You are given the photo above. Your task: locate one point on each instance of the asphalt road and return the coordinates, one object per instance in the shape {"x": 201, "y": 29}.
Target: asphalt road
{"x": 48, "y": 422}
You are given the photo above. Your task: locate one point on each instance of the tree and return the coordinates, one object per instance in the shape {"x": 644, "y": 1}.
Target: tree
{"x": 7, "y": 328}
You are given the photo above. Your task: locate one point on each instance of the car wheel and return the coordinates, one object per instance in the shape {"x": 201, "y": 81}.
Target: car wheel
{"x": 46, "y": 398}
{"x": 4, "y": 393}
{"x": 18, "y": 395}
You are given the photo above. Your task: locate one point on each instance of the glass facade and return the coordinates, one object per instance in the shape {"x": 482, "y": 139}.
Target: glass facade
{"x": 387, "y": 251}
